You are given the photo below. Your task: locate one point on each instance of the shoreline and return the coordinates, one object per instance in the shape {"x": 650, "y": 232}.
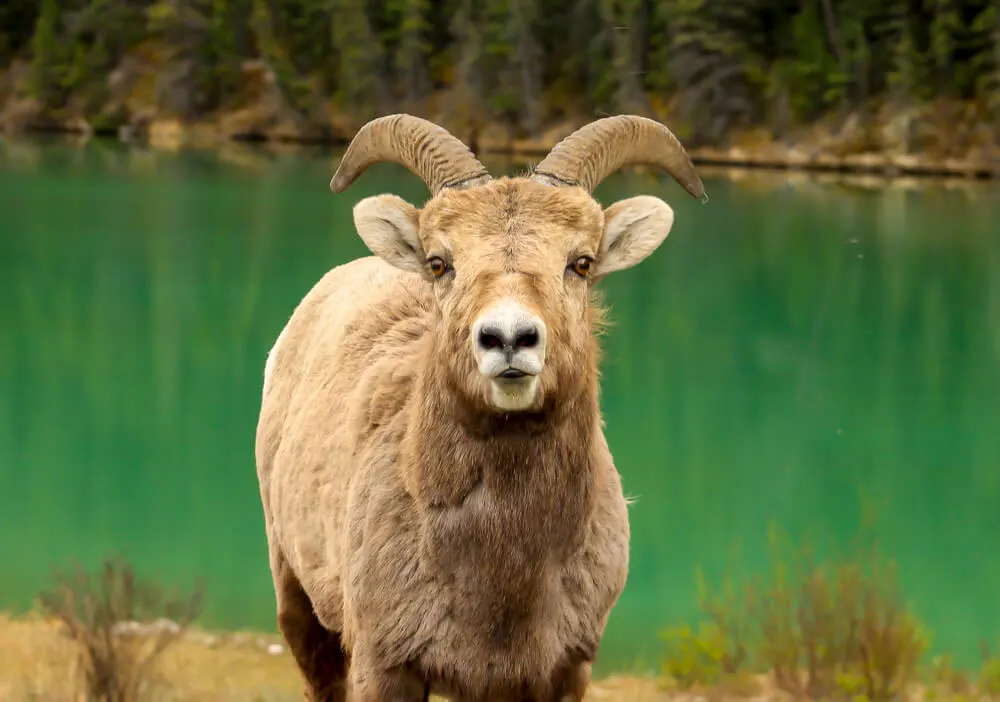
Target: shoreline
{"x": 172, "y": 135}
{"x": 884, "y": 134}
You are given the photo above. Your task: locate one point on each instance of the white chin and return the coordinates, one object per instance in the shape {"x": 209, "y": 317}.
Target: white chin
{"x": 514, "y": 395}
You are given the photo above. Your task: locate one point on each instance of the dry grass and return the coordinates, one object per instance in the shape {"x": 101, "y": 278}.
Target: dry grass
{"x": 39, "y": 663}
{"x": 113, "y": 636}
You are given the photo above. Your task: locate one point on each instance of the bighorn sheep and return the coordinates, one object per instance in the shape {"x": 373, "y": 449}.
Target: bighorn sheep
{"x": 443, "y": 513}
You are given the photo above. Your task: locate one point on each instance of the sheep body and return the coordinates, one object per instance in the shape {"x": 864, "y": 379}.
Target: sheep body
{"x": 345, "y": 527}
{"x": 442, "y": 511}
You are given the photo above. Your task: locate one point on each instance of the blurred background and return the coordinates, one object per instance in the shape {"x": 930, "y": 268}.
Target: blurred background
{"x": 819, "y": 342}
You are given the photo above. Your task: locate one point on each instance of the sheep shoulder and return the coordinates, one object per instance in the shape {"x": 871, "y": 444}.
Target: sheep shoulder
{"x": 341, "y": 369}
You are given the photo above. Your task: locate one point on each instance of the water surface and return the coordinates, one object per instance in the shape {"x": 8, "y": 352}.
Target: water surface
{"x": 789, "y": 346}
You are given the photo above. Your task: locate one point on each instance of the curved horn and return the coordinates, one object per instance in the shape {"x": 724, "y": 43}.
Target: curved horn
{"x": 595, "y": 151}
{"x": 430, "y": 151}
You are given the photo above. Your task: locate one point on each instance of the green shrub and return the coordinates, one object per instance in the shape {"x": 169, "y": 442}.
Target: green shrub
{"x": 989, "y": 676}
{"x": 823, "y": 628}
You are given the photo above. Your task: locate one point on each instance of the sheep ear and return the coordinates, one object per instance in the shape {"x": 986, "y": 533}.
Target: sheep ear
{"x": 389, "y": 226}
{"x": 633, "y": 229}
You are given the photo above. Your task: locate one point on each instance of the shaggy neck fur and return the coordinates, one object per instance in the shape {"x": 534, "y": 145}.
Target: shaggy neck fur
{"x": 502, "y": 497}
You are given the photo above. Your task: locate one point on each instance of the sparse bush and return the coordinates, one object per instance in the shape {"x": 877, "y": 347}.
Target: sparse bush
{"x": 989, "y": 676}
{"x": 694, "y": 655}
{"x": 836, "y": 628}
{"x": 715, "y": 651}
{"x": 945, "y": 682}
{"x": 121, "y": 624}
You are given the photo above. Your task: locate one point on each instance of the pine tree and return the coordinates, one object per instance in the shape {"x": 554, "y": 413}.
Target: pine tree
{"x": 413, "y": 51}
{"x": 986, "y": 57}
{"x": 944, "y": 30}
{"x": 47, "y": 58}
{"x": 856, "y": 81}
{"x": 271, "y": 48}
{"x": 715, "y": 63}
{"x": 510, "y": 61}
{"x": 469, "y": 88}
{"x": 223, "y": 53}
{"x": 526, "y": 62}
{"x": 904, "y": 76}
{"x": 721, "y": 63}
{"x": 361, "y": 82}
{"x": 184, "y": 28}
{"x": 626, "y": 20}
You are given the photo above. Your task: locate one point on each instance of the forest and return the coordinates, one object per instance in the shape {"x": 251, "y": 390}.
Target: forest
{"x": 715, "y": 65}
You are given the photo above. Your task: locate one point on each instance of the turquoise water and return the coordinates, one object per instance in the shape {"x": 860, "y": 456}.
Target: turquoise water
{"x": 791, "y": 345}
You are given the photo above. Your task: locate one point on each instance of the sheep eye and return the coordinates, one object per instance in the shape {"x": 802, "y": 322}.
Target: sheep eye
{"x": 438, "y": 266}
{"x": 581, "y": 266}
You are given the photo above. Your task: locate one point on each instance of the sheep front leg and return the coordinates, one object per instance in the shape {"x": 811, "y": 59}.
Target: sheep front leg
{"x": 572, "y": 685}
{"x": 373, "y": 684}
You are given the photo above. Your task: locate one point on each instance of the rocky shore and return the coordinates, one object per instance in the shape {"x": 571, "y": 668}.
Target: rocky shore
{"x": 943, "y": 138}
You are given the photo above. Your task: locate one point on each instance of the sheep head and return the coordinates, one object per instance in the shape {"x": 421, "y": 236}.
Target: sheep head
{"x": 512, "y": 261}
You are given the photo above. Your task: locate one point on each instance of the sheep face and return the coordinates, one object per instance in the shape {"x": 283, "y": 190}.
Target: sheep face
{"x": 512, "y": 263}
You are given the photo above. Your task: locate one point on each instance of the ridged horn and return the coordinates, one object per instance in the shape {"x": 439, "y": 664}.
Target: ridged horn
{"x": 596, "y": 150}
{"x": 430, "y": 151}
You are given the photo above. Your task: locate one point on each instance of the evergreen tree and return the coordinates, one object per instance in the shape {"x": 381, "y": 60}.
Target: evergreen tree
{"x": 509, "y": 62}
{"x": 986, "y": 57}
{"x": 904, "y": 77}
{"x": 467, "y": 49}
{"x": 714, "y": 63}
{"x": 412, "y": 51}
{"x": 361, "y": 79}
{"x": 626, "y": 20}
{"x": 17, "y": 20}
{"x": 47, "y": 60}
{"x": 720, "y": 63}
{"x": 944, "y": 35}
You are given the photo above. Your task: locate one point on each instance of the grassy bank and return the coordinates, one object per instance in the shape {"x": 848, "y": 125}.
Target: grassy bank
{"x": 40, "y": 662}
{"x": 114, "y": 635}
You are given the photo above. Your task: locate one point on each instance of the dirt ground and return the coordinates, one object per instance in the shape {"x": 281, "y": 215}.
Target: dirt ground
{"x": 38, "y": 662}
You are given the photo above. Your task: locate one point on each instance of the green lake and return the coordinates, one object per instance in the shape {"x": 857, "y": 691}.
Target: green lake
{"x": 791, "y": 347}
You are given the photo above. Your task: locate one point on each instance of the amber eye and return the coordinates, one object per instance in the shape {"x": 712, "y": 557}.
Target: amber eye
{"x": 581, "y": 266}
{"x": 438, "y": 266}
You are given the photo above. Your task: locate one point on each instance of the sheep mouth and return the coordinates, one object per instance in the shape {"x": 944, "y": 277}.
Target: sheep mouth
{"x": 513, "y": 390}
{"x": 512, "y": 374}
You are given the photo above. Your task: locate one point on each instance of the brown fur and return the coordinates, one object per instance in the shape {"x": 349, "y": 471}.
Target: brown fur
{"x": 447, "y": 546}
